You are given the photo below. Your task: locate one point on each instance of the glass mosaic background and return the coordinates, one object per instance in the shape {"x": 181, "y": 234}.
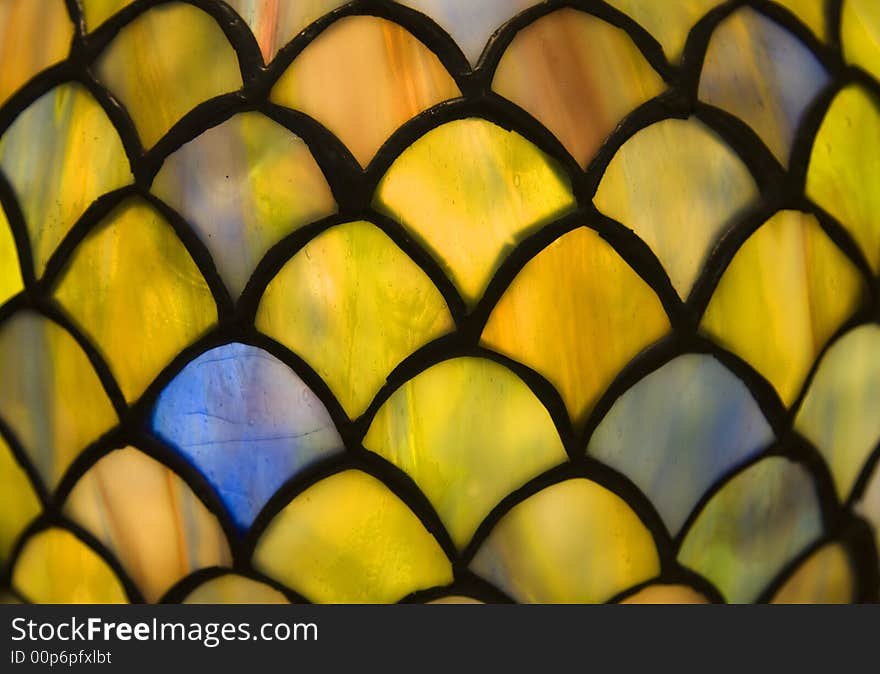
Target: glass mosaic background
{"x": 439, "y": 300}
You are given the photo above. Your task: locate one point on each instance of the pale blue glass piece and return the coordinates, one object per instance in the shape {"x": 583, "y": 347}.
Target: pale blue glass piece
{"x": 246, "y": 422}
{"x": 679, "y": 430}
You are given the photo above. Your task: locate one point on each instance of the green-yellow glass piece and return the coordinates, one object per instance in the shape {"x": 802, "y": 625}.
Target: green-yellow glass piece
{"x": 231, "y": 588}
{"x": 33, "y": 36}
{"x": 845, "y": 167}
{"x": 134, "y": 289}
{"x": 860, "y": 34}
{"x": 666, "y": 594}
{"x": 349, "y": 539}
{"x": 10, "y": 270}
{"x": 244, "y": 185}
{"x": 578, "y": 75}
{"x": 56, "y": 567}
{"x": 61, "y": 154}
{"x": 51, "y": 397}
{"x": 164, "y": 63}
{"x": 669, "y": 22}
{"x": 470, "y": 191}
{"x": 756, "y": 69}
{"x": 601, "y": 315}
{"x": 839, "y": 413}
{"x": 149, "y": 518}
{"x": 274, "y": 23}
{"x": 96, "y": 12}
{"x": 810, "y": 12}
{"x": 573, "y": 542}
{"x": 752, "y": 527}
{"x": 18, "y": 502}
{"x": 353, "y": 305}
{"x": 825, "y": 577}
{"x": 678, "y": 186}
{"x": 362, "y": 78}
{"x": 787, "y": 290}
{"x": 468, "y": 432}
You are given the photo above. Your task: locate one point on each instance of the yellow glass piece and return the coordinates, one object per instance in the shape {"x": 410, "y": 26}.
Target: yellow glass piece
{"x": 348, "y": 539}
{"x": 18, "y": 502}
{"x": 455, "y": 599}
{"x": 578, "y": 75}
{"x": 678, "y": 186}
{"x": 274, "y": 23}
{"x": 149, "y": 518}
{"x": 839, "y": 413}
{"x": 51, "y": 397}
{"x": 825, "y": 577}
{"x": 860, "y": 35}
{"x": 61, "y": 154}
{"x": 353, "y": 305}
{"x": 244, "y": 185}
{"x": 96, "y": 12}
{"x": 33, "y": 36}
{"x": 669, "y": 21}
{"x": 600, "y": 316}
{"x": 810, "y": 12}
{"x": 10, "y": 270}
{"x": 164, "y": 63}
{"x": 573, "y": 542}
{"x": 468, "y": 432}
{"x": 666, "y": 594}
{"x": 134, "y": 289}
{"x": 56, "y": 567}
{"x": 362, "y": 78}
{"x": 787, "y": 290}
{"x": 845, "y": 166}
{"x": 234, "y": 589}
{"x": 469, "y": 191}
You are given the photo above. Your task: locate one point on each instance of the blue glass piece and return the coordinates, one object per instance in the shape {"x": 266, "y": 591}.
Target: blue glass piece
{"x": 246, "y": 422}
{"x": 679, "y": 430}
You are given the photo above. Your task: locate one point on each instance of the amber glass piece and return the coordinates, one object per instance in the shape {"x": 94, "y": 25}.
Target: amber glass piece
{"x": 838, "y": 414}
{"x": 752, "y": 527}
{"x": 33, "y": 36}
{"x": 56, "y": 567}
{"x": 348, "y": 539}
{"x": 787, "y": 290}
{"x": 18, "y": 502}
{"x": 574, "y": 542}
{"x": 825, "y": 577}
{"x": 666, "y": 594}
{"x": 577, "y": 75}
{"x": 601, "y": 315}
{"x": 466, "y": 426}
{"x": 244, "y": 185}
{"x": 469, "y": 191}
{"x": 455, "y": 599}
{"x": 60, "y": 154}
{"x": 757, "y": 70}
{"x": 134, "y": 289}
{"x": 353, "y": 305}
{"x": 164, "y": 63}
{"x": 362, "y": 78}
{"x": 50, "y": 396}
{"x": 845, "y": 166}
{"x": 149, "y": 518}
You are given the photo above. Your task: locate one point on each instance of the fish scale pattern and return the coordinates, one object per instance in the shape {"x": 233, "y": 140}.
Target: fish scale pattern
{"x": 440, "y": 301}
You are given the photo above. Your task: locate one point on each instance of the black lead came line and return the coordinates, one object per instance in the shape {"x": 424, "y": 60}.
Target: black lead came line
{"x": 353, "y": 187}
